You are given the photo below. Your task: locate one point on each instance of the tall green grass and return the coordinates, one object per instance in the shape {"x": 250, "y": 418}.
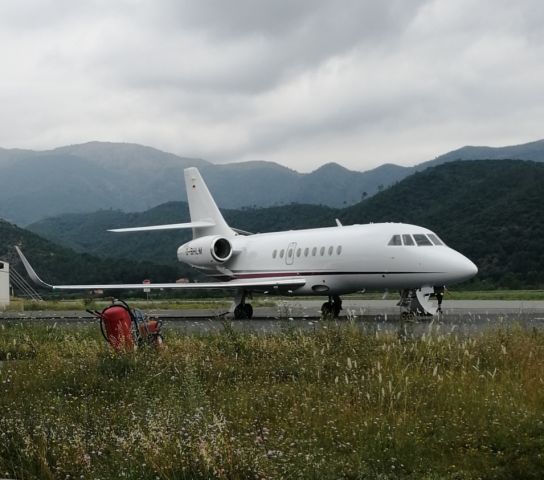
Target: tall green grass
{"x": 333, "y": 403}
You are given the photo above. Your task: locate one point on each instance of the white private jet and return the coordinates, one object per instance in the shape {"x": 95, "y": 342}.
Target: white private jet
{"x": 329, "y": 261}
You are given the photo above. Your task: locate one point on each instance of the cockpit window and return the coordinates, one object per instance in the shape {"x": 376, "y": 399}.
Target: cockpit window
{"x": 408, "y": 240}
{"x": 422, "y": 240}
{"x": 435, "y": 239}
{"x": 395, "y": 240}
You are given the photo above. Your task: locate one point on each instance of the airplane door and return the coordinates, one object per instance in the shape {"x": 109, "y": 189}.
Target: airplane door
{"x": 290, "y": 255}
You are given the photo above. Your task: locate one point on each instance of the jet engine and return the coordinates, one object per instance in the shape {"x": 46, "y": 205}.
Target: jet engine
{"x": 204, "y": 251}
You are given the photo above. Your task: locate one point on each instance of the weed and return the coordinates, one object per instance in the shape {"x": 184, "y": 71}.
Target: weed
{"x": 331, "y": 403}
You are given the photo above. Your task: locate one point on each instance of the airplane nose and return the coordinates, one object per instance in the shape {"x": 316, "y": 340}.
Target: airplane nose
{"x": 472, "y": 269}
{"x": 466, "y": 269}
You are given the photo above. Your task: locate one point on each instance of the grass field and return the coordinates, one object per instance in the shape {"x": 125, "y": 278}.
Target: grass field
{"x": 333, "y": 403}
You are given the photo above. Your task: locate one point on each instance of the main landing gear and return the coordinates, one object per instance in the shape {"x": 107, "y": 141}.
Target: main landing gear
{"x": 242, "y": 310}
{"x": 332, "y": 307}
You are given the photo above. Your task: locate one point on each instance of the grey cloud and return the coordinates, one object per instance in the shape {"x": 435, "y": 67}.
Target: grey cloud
{"x": 248, "y": 18}
{"x": 243, "y": 46}
{"x": 284, "y": 80}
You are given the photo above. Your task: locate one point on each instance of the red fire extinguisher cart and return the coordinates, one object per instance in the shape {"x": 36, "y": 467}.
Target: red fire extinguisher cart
{"x": 125, "y": 328}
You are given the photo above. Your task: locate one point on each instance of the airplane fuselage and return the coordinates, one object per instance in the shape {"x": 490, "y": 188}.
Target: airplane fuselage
{"x": 336, "y": 260}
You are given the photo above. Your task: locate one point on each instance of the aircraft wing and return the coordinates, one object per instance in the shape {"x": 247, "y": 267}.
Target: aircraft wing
{"x": 262, "y": 285}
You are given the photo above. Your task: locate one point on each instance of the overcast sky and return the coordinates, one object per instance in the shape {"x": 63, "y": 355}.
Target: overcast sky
{"x": 300, "y": 83}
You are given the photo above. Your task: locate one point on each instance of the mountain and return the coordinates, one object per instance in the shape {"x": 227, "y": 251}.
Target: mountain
{"x": 490, "y": 210}
{"x": 119, "y": 176}
{"x": 85, "y": 178}
{"x": 528, "y": 151}
{"x": 60, "y": 264}
{"x": 98, "y": 175}
{"x": 317, "y": 186}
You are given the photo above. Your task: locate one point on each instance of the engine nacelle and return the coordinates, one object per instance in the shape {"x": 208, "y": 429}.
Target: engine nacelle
{"x": 206, "y": 251}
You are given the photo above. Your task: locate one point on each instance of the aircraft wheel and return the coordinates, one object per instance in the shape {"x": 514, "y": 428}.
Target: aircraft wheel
{"x": 239, "y": 312}
{"x": 327, "y": 309}
{"x": 243, "y": 311}
{"x": 248, "y": 311}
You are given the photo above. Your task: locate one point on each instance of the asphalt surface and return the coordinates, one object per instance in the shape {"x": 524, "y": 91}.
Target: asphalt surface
{"x": 301, "y": 309}
{"x": 458, "y": 316}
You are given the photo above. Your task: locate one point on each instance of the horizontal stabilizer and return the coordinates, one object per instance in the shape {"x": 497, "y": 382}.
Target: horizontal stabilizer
{"x": 172, "y": 226}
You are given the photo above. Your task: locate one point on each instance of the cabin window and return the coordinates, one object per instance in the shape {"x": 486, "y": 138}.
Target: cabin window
{"x": 408, "y": 240}
{"x": 314, "y": 251}
{"x": 338, "y": 249}
{"x": 282, "y": 252}
{"x": 290, "y": 253}
{"x": 322, "y": 251}
{"x": 274, "y": 253}
{"x": 395, "y": 240}
{"x": 435, "y": 239}
{"x": 299, "y": 251}
{"x": 331, "y": 249}
{"x": 306, "y": 251}
{"x": 422, "y": 240}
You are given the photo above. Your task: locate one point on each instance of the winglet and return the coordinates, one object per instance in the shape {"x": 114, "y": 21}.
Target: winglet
{"x": 338, "y": 223}
{"x": 30, "y": 271}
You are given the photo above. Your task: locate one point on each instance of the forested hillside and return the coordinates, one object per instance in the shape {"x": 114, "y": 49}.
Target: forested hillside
{"x": 88, "y": 232}
{"x": 489, "y": 210}
{"x": 59, "y": 264}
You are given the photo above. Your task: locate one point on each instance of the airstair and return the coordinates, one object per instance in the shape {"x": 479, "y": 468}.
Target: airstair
{"x": 418, "y": 302}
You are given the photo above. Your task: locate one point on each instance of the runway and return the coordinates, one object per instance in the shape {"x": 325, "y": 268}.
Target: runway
{"x": 458, "y": 316}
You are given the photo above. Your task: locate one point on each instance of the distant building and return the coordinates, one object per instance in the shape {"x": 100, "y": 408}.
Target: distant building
{"x": 4, "y": 284}
{"x": 182, "y": 280}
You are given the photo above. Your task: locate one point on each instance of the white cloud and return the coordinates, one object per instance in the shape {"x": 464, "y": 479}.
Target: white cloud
{"x": 298, "y": 82}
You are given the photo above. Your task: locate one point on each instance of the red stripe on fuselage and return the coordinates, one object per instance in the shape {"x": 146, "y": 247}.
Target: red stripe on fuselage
{"x": 307, "y": 274}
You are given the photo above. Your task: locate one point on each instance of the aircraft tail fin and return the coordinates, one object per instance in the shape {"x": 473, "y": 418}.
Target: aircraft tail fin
{"x": 206, "y": 219}
{"x": 202, "y": 207}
